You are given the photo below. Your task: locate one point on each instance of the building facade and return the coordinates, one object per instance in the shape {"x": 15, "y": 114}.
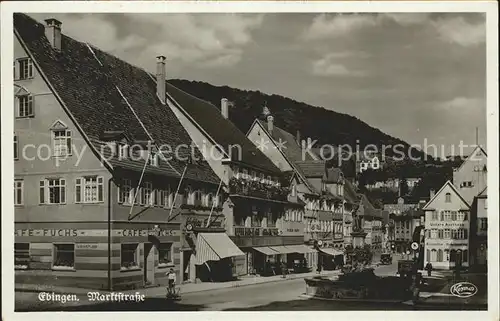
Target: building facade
{"x": 479, "y": 231}
{"x": 321, "y": 194}
{"x": 447, "y": 229}
{"x": 471, "y": 177}
{"x": 98, "y": 207}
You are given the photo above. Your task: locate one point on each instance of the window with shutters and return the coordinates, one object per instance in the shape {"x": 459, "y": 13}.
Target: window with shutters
{"x": 25, "y": 106}
{"x": 53, "y": 191}
{"x": 25, "y": 68}
{"x": 89, "y": 190}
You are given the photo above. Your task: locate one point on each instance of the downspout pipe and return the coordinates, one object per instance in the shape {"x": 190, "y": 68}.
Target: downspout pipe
{"x": 110, "y": 285}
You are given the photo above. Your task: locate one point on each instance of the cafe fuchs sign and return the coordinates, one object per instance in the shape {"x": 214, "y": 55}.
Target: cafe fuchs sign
{"x": 98, "y": 232}
{"x": 193, "y": 222}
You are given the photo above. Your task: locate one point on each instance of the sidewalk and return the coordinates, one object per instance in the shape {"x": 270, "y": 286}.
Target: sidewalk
{"x": 184, "y": 288}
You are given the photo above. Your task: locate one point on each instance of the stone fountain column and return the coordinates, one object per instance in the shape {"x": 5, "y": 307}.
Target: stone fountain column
{"x": 358, "y": 238}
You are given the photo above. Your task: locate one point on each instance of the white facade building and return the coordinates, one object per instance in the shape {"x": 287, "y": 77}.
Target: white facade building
{"x": 447, "y": 229}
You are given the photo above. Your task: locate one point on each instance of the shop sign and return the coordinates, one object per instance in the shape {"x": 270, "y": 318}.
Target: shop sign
{"x": 153, "y": 232}
{"x": 450, "y": 243}
{"x": 291, "y": 228}
{"x": 447, "y": 224}
{"x": 84, "y": 246}
{"x": 197, "y": 222}
{"x": 46, "y": 232}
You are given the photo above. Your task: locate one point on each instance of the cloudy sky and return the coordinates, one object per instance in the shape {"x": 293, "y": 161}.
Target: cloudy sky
{"x": 414, "y": 76}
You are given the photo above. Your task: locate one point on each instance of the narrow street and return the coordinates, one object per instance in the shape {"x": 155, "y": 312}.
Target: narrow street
{"x": 281, "y": 295}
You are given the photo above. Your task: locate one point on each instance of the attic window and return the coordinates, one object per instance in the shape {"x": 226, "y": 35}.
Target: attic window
{"x": 153, "y": 159}
{"x": 25, "y": 68}
{"x": 61, "y": 139}
{"x": 448, "y": 198}
{"x": 25, "y": 106}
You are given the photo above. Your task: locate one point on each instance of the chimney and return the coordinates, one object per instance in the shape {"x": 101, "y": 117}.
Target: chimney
{"x": 53, "y": 33}
{"x": 270, "y": 121}
{"x": 298, "y": 137}
{"x": 432, "y": 193}
{"x": 161, "y": 76}
{"x": 224, "y": 108}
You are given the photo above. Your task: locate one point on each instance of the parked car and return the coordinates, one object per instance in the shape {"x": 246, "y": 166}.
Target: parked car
{"x": 386, "y": 258}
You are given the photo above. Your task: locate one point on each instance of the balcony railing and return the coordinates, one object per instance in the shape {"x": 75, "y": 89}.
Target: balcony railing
{"x": 258, "y": 189}
{"x": 256, "y": 231}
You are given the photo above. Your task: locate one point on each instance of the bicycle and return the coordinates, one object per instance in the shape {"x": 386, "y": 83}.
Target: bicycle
{"x": 173, "y": 293}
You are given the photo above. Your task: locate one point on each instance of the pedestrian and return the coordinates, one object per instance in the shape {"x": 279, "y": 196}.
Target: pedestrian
{"x": 283, "y": 269}
{"x": 171, "y": 281}
{"x": 428, "y": 267}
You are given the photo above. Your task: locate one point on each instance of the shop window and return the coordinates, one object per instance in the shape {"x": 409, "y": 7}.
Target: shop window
{"x": 18, "y": 192}
{"x": 53, "y": 191}
{"x": 440, "y": 255}
{"x": 21, "y": 255}
{"x": 165, "y": 254}
{"x": 129, "y": 256}
{"x": 433, "y": 255}
{"x": 124, "y": 192}
{"x": 64, "y": 256}
{"x": 453, "y": 254}
{"x": 89, "y": 189}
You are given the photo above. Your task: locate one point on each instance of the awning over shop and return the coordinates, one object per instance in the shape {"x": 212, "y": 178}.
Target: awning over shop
{"x": 265, "y": 250}
{"x": 281, "y": 249}
{"x": 331, "y": 251}
{"x": 215, "y": 246}
{"x": 301, "y": 249}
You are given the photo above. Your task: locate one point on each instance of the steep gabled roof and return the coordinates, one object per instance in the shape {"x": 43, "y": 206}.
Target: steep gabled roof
{"x": 312, "y": 169}
{"x": 453, "y": 188}
{"x": 484, "y": 193}
{"x": 291, "y": 148}
{"x": 221, "y": 130}
{"x": 291, "y": 151}
{"x": 103, "y": 93}
{"x": 478, "y": 148}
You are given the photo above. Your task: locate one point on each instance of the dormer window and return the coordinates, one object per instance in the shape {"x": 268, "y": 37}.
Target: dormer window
{"x": 61, "y": 139}
{"x": 123, "y": 151}
{"x": 153, "y": 159}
